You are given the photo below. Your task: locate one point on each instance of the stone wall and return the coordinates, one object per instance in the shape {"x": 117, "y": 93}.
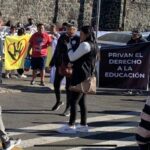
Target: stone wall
{"x": 20, "y": 10}
{"x": 45, "y": 10}
{"x": 110, "y": 14}
{"x": 137, "y": 14}
{"x": 126, "y": 14}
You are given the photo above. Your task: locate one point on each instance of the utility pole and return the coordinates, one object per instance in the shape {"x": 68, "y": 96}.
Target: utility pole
{"x": 97, "y": 29}
{"x": 55, "y": 11}
{"x": 98, "y": 16}
{"x": 124, "y": 14}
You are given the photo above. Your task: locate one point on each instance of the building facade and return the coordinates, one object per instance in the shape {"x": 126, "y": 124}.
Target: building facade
{"x": 115, "y": 14}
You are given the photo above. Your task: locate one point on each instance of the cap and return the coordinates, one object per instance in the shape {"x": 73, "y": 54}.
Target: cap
{"x": 135, "y": 30}
{"x": 71, "y": 23}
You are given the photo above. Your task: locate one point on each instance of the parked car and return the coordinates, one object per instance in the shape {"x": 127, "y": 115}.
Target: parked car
{"x": 107, "y": 39}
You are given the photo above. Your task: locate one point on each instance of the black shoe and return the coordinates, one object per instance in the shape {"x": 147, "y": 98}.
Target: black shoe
{"x": 42, "y": 83}
{"x": 144, "y": 147}
{"x": 32, "y": 82}
{"x": 57, "y": 106}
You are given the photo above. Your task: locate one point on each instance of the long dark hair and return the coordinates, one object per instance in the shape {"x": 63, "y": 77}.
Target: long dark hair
{"x": 88, "y": 30}
{"x": 91, "y": 39}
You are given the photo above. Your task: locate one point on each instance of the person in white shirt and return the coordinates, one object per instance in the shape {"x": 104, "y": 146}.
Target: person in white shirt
{"x": 83, "y": 60}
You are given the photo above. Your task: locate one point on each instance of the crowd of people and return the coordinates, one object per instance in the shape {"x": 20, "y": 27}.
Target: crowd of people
{"x": 68, "y": 49}
{"x": 74, "y": 51}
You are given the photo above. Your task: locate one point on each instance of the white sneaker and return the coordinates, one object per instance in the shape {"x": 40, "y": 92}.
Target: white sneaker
{"x": 67, "y": 129}
{"x": 11, "y": 144}
{"x": 81, "y": 128}
{"x": 7, "y": 76}
{"x": 23, "y": 76}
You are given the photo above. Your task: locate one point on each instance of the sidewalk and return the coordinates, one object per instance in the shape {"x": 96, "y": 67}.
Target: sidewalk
{"x": 23, "y": 84}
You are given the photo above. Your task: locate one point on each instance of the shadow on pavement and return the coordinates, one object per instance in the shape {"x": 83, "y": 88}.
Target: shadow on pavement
{"x": 112, "y": 123}
{"x": 28, "y": 89}
{"x": 117, "y": 112}
{"x": 133, "y": 100}
{"x": 128, "y": 148}
{"x": 21, "y": 111}
{"x": 120, "y": 92}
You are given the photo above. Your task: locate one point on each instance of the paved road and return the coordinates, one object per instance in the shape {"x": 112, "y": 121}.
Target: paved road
{"x": 112, "y": 118}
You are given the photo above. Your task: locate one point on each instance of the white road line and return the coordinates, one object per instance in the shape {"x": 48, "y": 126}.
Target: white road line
{"x": 60, "y": 137}
{"x": 52, "y": 126}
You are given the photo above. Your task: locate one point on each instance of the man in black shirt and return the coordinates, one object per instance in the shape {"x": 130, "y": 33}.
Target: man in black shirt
{"x": 135, "y": 39}
{"x": 61, "y": 56}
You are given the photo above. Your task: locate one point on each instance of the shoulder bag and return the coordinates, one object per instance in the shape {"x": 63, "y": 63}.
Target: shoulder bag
{"x": 88, "y": 86}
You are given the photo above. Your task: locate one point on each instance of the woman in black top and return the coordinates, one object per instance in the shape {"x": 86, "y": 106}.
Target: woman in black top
{"x": 83, "y": 60}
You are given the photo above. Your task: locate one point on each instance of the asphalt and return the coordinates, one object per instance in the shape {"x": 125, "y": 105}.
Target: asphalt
{"x": 27, "y": 105}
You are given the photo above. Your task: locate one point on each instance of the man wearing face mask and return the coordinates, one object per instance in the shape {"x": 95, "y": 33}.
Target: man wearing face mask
{"x": 60, "y": 56}
{"x": 136, "y": 37}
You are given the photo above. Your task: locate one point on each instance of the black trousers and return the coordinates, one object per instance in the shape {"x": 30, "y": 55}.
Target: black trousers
{"x": 20, "y": 71}
{"x": 144, "y": 147}
{"x": 78, "y": 98}
{"x": 57, "y": 83}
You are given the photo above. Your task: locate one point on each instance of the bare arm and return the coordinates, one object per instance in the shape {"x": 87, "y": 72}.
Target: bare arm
{"x": 28, "y": 51}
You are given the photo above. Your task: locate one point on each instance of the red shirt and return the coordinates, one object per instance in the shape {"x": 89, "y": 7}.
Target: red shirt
{"x": 39, "y": 43}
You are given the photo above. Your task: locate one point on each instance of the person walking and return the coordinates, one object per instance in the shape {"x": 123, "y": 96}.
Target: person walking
{"x": 60, "y": 56}
{"x": 7, "y": 142}
{"x": 83, "y": 60}
{"x": 39, "y": 43}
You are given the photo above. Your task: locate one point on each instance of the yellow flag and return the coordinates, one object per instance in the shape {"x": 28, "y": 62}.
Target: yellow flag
{"x": 49, "y": 56}
{"x": 15, "y": 49}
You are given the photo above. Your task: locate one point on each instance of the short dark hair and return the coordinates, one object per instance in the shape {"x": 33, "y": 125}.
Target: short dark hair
{"x": 65, "y": 24}
{"x": 12, "y": 27}
{"x": 21, "y": 31}
{"x": 53, "y": 25}
{"x": 30, "y": 18}
{"x": 39, "y": 25}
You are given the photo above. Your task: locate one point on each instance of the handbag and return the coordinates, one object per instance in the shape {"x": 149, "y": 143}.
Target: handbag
{"x": 65, "y": 70}
{"x": 88, "y": 86}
